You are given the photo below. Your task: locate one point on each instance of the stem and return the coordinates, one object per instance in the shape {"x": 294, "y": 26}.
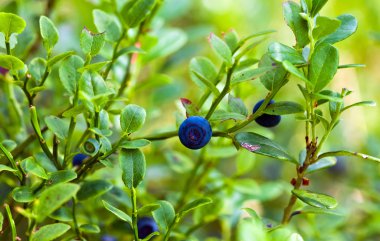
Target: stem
{"x": 76, "y": 227}
{"x": 8, "y": 47}
{"x": 219, "y": 78}
{"x": 114, "y": 55}
{"x": 134, "y": 214}
{"x": 11, "y": 222}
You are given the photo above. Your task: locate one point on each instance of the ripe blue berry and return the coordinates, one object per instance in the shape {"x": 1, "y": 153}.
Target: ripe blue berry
{"x": 108, "y": 238}
{"x": 195, "y": 132}
{"x": 146, "y": 226}
{"x": 265, "y": 119}
{"x": 78, "y": 159}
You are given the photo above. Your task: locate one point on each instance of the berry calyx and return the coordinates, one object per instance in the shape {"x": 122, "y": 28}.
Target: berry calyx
{"x": 146, "y": 226}
{"x": 266, "y": 120}
{"x": 195, "y": 132}
{"x": 78, "y": 159}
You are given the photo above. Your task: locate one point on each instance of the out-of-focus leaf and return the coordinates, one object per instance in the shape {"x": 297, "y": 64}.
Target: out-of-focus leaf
{"x": 93, "y": 188}
{"x": 221, "y": 48}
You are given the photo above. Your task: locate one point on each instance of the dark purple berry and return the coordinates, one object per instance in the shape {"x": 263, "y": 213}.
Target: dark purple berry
{"x": 195, "y": 132}
{"x": 3, "y": 71}
{"x": 108, "y": 238}
{"x": 266, "y": 120}
{"x": 78, "y": 159}
{"x": 146, "y": 226}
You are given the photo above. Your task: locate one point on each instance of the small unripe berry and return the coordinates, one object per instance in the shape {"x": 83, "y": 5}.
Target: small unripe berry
{"x": 195, "y": 132}
{"x": 146, "y": 226}
{"x": 78, "y": 159}
{"x": 265, "y": 119}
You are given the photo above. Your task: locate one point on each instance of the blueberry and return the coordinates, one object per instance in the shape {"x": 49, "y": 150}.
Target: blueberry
{"x": 3, "y": 71}
{"x": 265, "y": 119}
{"x": 195, "y": 132}
{"x": 146, "y": 226}
{"x": 107, "y": 237}
{"x": 78, "y": 159}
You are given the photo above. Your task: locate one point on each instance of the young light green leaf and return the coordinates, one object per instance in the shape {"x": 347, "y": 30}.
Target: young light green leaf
{"x": 120, "y": 214}
{"x": 348, "y": 26}
{"x": 249, "y": 74}
{"x": 95, "y": 67}
{"x": 321, "y": 164}
{"x": 52, "y": 198}
{"x": 107, "y": 23}
{"x": 30, "y": 165}
{"x": 295, "y": 71}
{"x": 57, "y": 126}
{"x": 317, "y": 200}
{"x": 281, "y": 52}
{"x": 50, "y": 232}
{"x": 261, "y": 145}
{"x": 6, "y": 168}
{"x": 93, "y": 188}
{"x": 49, "y": 33}
{"x": 283, "y": 108}
{"x": 236, "y": 105}
{"x": 323, "y": 66}
{"x": 61, "y": 176}
{"x": 128, "y": 50}
{"x": 361, "y": 103}
{"x": 204, "y": 67}
{"x": 349, "y": 153}
{"x": 136, "y": 12}
{"x": 220, "y": 48}
{"x": 68, "y": 73}
{"x": 306, "y": 5}
{"x": 11, "y": 62}
{"x": 317, "y": 6}
{"x": 91, "y": 43}
{"x": 222, "y": 115}
{"x": 275, "y": 79}
{"x": 132, "y": 164}
{"x": 89, "y": 228}
{"x": 325, "y": 26}
{"x": 194, "y": 204}
{"x": 206, "y": 83}
{"x": 132, "y": 118}
{"x": 291, "y": 11}
{"x": 10, "y": 24}
{"x": 147, "y": 209}
{"x": 232, "y": 39}
{"x": 134, "y": 144}
{"x": 59, "y": 57}
{"x": 37, "y": 68}
{"x": 23, "y": 194}
{"x": 164, "y": 215}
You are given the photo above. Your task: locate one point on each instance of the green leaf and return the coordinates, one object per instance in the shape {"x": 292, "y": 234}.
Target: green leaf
{"x": 261, "y": 145}
{"x": 93, "y": 67}
{"x": 107, "y": 23}
{"x": 120, "y": 214}
{"x": 321, "y": 164}
{"x": 361, "y": 103}
{"x": 349, "y": 153}
{"x": 128, "y": 50}
{"x": 253, "y": 214}
{"x": 346, "y": 66}
{"x": 232, "y": 39}
{"x": 57, "y": 126}
{"x": 11, "y": 221}
{"x": 61, "y": 176}
{"x": 283, "y": 108}
{"x": 221, "y": 48}
{"x": 37, "y": 68}
{"x": 348, "y": 26}
{"x": 30, "y": 165}
{"x": 91, "y": 43}
{"x": 68, "y": 73}
{"x": 178, "y": 162}
{"x": 52, "y": 198}
{"x": 134, "y": 144}
{"x": 6, "y": 168}
{"x": 207, "y": 83}
{"x": 245, "y": 161}
{"x": 317, "y": 200}
{"x": 49, "y": 33}
{"x": 132, "y": 118}
{"x": 245, "y": 185}
{"x": 23, "y": 194}
{"x": 63, "y": 214}
{"x": 204, "y": 67}
{"x": 59, "y": 57}
{"x": 236, "y": 105}
{"x": 132, "y": 164}
{"x": 325, "y": 26}
{"x": 313, "y": 210}
{"x": 249, "y": 74}
{"x": 222, "y": 115}
{"x": 10, "y": 24}
{"x": 11, "y": 62}
{"x": 94, "y": 188}
{"x": 281, "y": 52}
{"x": 194, "y": 204}
{"x": 136, "y": 12}
{"x": 317, "y": 6}
{"x": 164, "y": 215}
{"x": 1, "y": 221}
{"x": 306, "y": 5}
{"x": 323, "y": 66}
{"x": 147, "y": 209}
{"x": 295, "y": 71}
{"x": 298, "y": 25}
{"x": 275, "y": 79}
{"x": 50, "y": 232}
{"x": 89, "y": 228}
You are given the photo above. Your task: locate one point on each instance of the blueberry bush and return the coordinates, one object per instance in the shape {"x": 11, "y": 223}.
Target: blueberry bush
{"x": 121, "y": 131}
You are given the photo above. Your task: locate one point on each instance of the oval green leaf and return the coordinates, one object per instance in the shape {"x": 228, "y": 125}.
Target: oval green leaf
{"x": 120, "y": 214}
{"x": 50, "y": 232}
{"x": 94, "y": 188}
{"x": 132, "y": 164}
{"x": 317, "y": 200}
{"x": 164, "y": 215}
{"x": 132, "y": 118}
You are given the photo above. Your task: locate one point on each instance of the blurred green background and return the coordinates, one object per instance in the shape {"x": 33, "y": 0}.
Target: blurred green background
{"x": 356, "y": 184}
